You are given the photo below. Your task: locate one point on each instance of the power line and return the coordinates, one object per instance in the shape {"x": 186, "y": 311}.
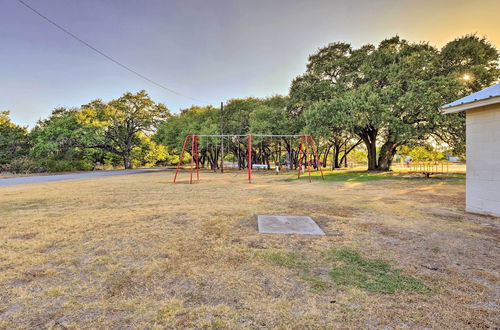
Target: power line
{"x": 102, "y": 53}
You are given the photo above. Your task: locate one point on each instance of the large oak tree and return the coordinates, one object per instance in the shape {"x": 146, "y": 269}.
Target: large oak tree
{"x": 118, "y": 123}
{"x": 389, "y": 95}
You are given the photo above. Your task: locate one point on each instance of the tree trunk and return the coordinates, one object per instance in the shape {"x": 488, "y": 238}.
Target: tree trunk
{"x": 345, "y": 154}
{"x": 325, "y": 156}
{"x": 371, "y": 147}
{"x": 342, "y": 147}
{"x": 369, "y": 137}
{"x": 386, "y": 156}
{"x": 336, "y": 152}
{"x": 126, "y": 161}
{"x": 126, "y": 152}
{"x": 343, "y": 159}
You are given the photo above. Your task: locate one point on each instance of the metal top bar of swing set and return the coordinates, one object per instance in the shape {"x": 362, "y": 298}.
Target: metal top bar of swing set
{"x": 240, "y": 135}
{"x": 303, "y": 143}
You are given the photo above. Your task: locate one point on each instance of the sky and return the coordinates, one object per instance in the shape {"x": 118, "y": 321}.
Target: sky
{"x": 209, "y": 50}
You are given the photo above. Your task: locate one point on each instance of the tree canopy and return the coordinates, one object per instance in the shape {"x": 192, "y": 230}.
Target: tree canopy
{"x": 390, "y": 95}
{"x": 118, "y": 123}
{"x": 14, "y": 143}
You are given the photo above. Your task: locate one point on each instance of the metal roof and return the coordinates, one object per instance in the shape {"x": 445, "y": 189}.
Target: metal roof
{"x": 485, "y": 94}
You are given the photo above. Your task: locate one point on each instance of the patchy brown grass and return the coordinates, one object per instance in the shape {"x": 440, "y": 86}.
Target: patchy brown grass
{"x": 138, "y": 251}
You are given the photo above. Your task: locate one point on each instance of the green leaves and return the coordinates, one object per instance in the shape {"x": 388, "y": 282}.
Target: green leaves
{"x": 241, "y": 116}
{"x": 120, "y": 122}
{"x": 14, "y": 142}
{"x": 98, "y": 128}
{"x": 199, "y": 120}
{"x": 392, "y": 93}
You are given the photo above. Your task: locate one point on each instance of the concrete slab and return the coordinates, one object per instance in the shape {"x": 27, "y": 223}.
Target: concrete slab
{"x": 277, "y": 224}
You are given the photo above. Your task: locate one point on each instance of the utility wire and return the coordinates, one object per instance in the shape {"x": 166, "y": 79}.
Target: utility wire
{"x": 102, "y": 53}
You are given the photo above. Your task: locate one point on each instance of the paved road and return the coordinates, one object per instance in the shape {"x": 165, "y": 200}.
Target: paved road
{"x": 70, "y": 176}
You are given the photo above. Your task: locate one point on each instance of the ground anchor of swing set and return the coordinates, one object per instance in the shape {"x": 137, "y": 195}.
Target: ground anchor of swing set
{"x": 306, "y": 142}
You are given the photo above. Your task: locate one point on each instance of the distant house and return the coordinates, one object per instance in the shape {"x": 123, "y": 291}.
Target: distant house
{"x": 483, "y": 148}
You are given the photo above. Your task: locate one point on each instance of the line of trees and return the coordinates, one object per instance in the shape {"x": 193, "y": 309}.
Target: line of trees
{"x": 380, "y": 99}
{"x": 241, "y": 116}
{"x": 119, "y": 131}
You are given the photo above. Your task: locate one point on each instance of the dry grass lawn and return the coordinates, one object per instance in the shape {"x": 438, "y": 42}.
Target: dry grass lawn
{"x": 138, "y": 251}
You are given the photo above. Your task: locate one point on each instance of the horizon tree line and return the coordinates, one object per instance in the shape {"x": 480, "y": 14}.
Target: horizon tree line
{"x": 381, "y": 99}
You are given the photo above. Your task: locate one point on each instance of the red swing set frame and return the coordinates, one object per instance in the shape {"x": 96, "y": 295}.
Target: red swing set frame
{"x": 306, "y": 141}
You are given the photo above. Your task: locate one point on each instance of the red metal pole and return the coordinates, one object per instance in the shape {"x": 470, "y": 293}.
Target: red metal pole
{"x": 300, "y": 156}
{"x": 249, "y": 165}
{"x": 197, "y": 158}
{"x": 317, "y": 158}
{"x": 180, "y": 158}
{"x": 192, "y": 160}
{"x": 308, "y": 158}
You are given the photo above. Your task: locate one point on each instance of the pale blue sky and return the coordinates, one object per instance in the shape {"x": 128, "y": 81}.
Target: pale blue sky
{"x": 210, "y": 50}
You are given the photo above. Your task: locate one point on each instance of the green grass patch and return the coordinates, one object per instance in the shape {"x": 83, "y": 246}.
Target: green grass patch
{"x": 348, "y": 269}
{"x": 375, "y": 275}
{"x": 365, "y": 176}
{"x": 295, "y": 261}
{"x": 292, "y": 260}
{"x": 316, "y": 284}
{"x": 351, "y": 176}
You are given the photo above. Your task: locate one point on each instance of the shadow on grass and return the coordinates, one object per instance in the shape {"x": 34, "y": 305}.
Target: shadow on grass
{"x": 366, "y": 176}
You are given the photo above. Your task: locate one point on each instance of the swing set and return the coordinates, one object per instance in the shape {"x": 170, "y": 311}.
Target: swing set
{"x": 307, "y": 150}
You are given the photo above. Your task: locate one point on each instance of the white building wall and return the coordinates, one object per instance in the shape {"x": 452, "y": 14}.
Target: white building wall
{"x": 483, "y": 160}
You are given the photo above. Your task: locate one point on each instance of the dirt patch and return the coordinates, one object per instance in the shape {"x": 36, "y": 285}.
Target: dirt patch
{"x": 427, "y": 197}
{"x": 248, "y": 224}
{"x": 301, "y": 208}
{"x": 490, "y": 232}
{"x": 330, "y": 226}
{"x": 446, "y": 214}
{"x": 125, "y": 283}
{"x": 33, "y": 274}
{"x": 379, "y": 228}
{"x": 24, "y": 236}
